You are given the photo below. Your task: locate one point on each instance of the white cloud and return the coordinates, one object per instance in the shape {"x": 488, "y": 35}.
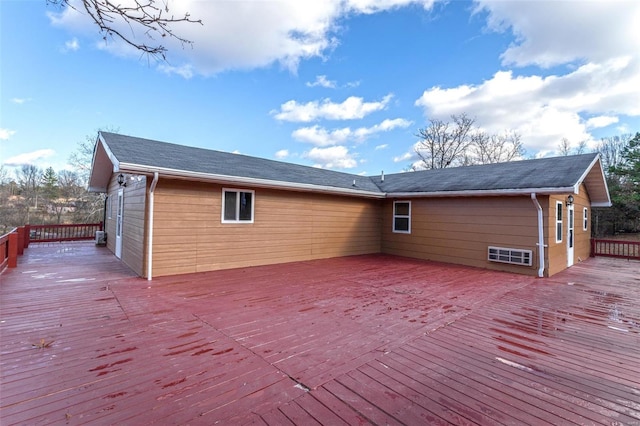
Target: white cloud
{"x": 20, "y": 101}
{"x": 71, "y": 45}
{"x": 5, "y": 134}
{"x": 544, "y": 109}
{"x": 350, "y": 109}
{"x": 598, "y": 40}
{"x": 374, "y": 6}
{"x": 186, "y": 71}
{"x": 322, "y": 81}
{"x": 288, "y": 31}
{"x": 29, "y": 157}
{"x": 333, "y": 157}
{"x": 601, "y": 121}
{"x": 383, "y": 146}
{"x": 283, "y": 153}
{"x": 558, "y": 32}
{"x": 405, "y": 157}
{"x": 320, "y": 136}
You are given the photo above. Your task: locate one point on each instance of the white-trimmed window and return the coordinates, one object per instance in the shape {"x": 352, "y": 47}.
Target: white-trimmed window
{"x": 402, "y": 217}
{"x": 237, "y": 205}
{"x": 558, "y": 221}
{"x": 585, "y": 219}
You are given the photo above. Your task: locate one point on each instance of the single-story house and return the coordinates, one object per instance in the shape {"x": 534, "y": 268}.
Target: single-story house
{"x": 174, "y": 209}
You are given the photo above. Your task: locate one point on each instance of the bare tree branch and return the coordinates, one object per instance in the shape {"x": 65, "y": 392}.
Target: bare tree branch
{"x": 443, "y": 144}
{"x": 151, "y": 17}
{"x": 500, "y": 148}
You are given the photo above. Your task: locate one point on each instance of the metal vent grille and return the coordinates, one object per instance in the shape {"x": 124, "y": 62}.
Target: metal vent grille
{"x": 510, "y": 255}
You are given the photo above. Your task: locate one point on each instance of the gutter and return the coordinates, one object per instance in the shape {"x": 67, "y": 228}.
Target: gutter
{"x": 540, "y": 243}
{"x": 152, "y": 189}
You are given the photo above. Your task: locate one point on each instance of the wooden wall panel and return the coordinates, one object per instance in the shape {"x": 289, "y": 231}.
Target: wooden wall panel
{"x": 582, "y": 238}
{"x": 288, "y": 226}
{"x": 459, "y": 230}
{"x": 133, "y": 224}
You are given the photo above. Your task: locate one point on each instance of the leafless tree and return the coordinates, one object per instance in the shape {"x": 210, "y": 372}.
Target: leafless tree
{"x": 89, "y": 206}
{"x": 498, "y": 148}
{"x": 152, "y": 18}
{"x": 581, "y": 148}
{"x": 610, "y": 149}
{"x": 444, "y": 143}
{"x": 28, "y": 177}
{"x": 564, "y": 147}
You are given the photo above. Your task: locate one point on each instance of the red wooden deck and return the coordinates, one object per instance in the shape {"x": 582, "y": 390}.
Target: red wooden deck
{"x": 357, "y": 340}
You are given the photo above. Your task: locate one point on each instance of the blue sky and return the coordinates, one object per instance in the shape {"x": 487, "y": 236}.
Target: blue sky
{"x": 341, "y": 84}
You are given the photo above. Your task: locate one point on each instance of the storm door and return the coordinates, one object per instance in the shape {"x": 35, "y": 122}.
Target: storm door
{"x": 570, "y": 235}
{"x": 119, "y": 215}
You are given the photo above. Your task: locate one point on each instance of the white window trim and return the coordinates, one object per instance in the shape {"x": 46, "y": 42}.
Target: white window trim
{"x": 238, "y": 191}
{"x": 555, "y": 229}
{"x": 108, "y": 207}
{"x": 585, "y": 218}
{"x": 408, "y": 231}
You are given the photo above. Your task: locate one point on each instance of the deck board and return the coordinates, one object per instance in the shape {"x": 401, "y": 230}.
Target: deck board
{"x": 364, "y": 339}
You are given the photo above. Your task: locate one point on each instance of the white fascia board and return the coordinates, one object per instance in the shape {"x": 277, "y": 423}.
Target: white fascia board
{"x": 264, "y": 183}
{"x": 483, "y": 193}
{"x": 114, "y": 160}
{"x": 602, "y": 204}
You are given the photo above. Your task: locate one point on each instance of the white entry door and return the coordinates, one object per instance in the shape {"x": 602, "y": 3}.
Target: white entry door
{"x": 119, "y": 215}
{"x": 570, "y": 235}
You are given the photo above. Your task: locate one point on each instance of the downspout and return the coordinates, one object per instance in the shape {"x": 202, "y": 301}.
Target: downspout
{"x": 540, "y": 235}
{"x": 152, "y": 189}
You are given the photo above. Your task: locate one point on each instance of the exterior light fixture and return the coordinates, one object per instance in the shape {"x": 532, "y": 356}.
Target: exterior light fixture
{"x": 570, "y": 200}
{"x": 122, "y": 180}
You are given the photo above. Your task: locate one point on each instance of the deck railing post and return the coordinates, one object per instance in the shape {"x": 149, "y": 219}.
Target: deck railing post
{"x": 20, "y": 240}
{"x": 27, "y": 235}
{"x": 13, "y": 250}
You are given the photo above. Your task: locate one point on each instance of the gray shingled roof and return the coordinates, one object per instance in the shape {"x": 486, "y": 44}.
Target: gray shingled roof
{"x": 555, "y": 172}
{"x": 134, "y": 153}
{"x": 155, "y": 154}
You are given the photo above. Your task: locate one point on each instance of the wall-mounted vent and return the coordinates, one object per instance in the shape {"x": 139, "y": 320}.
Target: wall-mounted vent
{"x": 510, "y": 255}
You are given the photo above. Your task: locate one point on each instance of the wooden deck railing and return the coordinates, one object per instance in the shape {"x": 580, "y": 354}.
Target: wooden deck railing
{"x": 615, "y": 248}
{"x": 52, "y": 233}
{"x": 13, "y": 243}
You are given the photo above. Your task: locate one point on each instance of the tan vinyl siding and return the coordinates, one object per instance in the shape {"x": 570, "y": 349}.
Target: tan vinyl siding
{"x": 133, "y": 222}
{"x": 288, "y": 226}
{"x": 459, "y": 230}
{"x": 582, "y": 238}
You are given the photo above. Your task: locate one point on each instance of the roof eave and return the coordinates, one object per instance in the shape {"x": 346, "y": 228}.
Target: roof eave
{"x": 239, "y": 180}
{"x": 101, "y": 167}
{"x": 603, "y": 181}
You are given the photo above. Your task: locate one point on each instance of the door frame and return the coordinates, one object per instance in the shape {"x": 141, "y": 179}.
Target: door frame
{"x": 119, "y": 222}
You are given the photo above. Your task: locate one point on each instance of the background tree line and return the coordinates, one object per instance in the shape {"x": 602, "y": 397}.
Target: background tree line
{"x": 46, "y": 196}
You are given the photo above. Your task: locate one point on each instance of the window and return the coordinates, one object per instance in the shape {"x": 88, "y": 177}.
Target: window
{"x": 237, "y": 206}
{"x": 585, "y": 219}
{"x": 107, "y": 207}
{"x": 558, "y": 221}
{"x": 402, "y": 217}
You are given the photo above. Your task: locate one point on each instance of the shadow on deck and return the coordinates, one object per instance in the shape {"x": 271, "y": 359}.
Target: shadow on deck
{"x": 364, "y": 339}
